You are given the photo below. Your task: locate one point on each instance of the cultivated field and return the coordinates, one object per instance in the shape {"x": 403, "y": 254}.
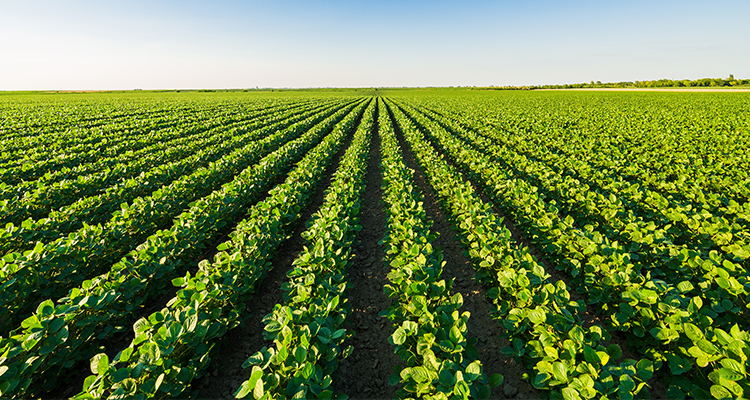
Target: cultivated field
{"x": 375, "y": 244}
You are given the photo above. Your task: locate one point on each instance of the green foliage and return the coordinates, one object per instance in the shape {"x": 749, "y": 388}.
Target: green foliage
{"x": 430, "y": 332}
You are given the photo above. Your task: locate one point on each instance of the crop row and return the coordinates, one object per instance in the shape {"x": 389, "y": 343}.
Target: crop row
{"x": 542, "y": 323}
{"x": 63, "y": 334}
{"x": 173, "y": 345}
{"x": 306, "y": 329}
{"x": 99, "y": 207}
{"x": 683, "y": 334}
{"x": 430, "y": 334}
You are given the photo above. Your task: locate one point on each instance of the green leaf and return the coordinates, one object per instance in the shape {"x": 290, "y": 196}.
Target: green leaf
{"x": 560, "y": 372}
{"x": 685, "y": 286}
{"x": 693, "y": 332}
{"x": 728, "y": 374}
{"x": 720, "y": 392}
{"x": 740, "y": 252}
{"x": 461, "y": 389}
{"x": 141, "y": 325}
{"x": 99, "y": 363}
{"x": 399, "y": 336}
{"x": 159, "y": 380}
{"x": 734, "y": 366}
{"x": 87, "y": 382}
{"x": 677, "y": 365}
{"x": 590, "y": 355}
{"x": 149, "y": 353}
{"x": 696, "y": 302}
{"x": 243, "y": 391}
{"x": 258, "y": 389}
{"x": 496, "y": 380}
{"x": 645, "y": 369}
{"x": 627, "y": 383}
{"x": 615, "y": 351}
{"x": 570, "y": 394}
{"x": 250, "y": 384}
{"x": 474, "y": 370}
{"x": 537, "y": 316}
{"x": 300, "y": 354}
{"x": 129, "y": 386}
{"x": 420, "y": 374}
{"x": 455, "y": 335}
{"x": 446, "y": 378}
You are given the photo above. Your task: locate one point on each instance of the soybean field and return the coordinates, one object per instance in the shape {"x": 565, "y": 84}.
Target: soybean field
{"x": 420, "y": 243}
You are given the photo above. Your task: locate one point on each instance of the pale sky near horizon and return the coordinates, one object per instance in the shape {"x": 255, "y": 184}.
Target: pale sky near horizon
{"x": 243, "y": 44}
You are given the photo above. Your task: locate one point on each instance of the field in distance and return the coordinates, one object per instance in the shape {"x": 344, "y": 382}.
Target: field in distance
{"x": 375, "y": 243}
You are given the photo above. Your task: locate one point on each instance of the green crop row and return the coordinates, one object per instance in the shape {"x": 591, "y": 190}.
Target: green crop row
{"x": 63, "y": 334}
{"x": 683, "y": 332}
{"x": 430, "y": 332}
{"x": 541, "y": 321}
{"x": 307, "y": 328}
{"x": 172, "y": 346}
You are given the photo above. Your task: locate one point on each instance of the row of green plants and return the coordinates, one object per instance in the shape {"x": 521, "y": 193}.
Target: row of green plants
{"x": 541, "y": 321}
{"x": 700, "y": 163}
{"x": 653, "y": 248}
{"x": 116, "y": 147}
{"x": 98, "y": 208}
{"x": 51, "y": 269}
{"x": 35, "y": 199}
{"x": 671, "y": 328}
{"x": 306, "y": 329}
{"x": 173, "y": 346}
{"x": 430, "y": 332}
{"x": 58, "y": 336}
{"x": 31, "y": 124}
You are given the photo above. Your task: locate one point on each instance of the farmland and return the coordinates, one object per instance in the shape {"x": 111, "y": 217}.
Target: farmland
{"x": 375, "y": 244}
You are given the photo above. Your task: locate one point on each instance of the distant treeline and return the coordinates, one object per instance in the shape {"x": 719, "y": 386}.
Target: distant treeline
{"x": 661, "y": 83}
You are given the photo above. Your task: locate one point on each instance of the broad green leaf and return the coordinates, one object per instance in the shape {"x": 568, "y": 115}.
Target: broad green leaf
{"x": 99, "y": 364}
{"x": 420, "y": 374}
{"x": 570, "y": 394}
{"x": 496, "y": 380}
{"x": 399, "y": 336}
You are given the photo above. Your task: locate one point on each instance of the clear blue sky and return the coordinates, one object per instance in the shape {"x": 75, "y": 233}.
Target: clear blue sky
{"x": 237, "y": 44}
